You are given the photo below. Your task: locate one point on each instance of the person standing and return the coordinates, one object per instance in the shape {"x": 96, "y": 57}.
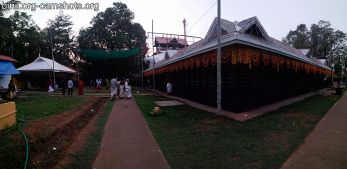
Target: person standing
{"x": 128, "y": 94}
{"x": 113, "y": 88}
{"x": 169, "y": 87}
{"x": 11, "y": 91}
{"x": 80, "y": 85}
{"x": 108, "y": 83}
{"x": 99, "y": 83}
{"x": 96, "y": 83}
{"x": 69, "y": 87}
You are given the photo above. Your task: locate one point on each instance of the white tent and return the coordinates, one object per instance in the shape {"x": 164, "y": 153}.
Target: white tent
{"x": 41, "y": 64}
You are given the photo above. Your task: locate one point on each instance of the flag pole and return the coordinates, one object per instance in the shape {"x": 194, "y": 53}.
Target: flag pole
{"x": 219, "y": 68}
{"x": 153, "y": 57}
{"x": 52, "y": 59}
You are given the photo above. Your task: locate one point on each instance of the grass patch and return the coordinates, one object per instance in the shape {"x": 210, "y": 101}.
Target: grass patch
{"x": 34, "y": 106}
{"x": 84, "y": 159}
{"x": 134, "y": 89}
{"x": 191, "y": 138}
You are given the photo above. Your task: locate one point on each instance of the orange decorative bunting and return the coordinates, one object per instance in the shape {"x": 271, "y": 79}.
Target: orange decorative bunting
{"x": 213, "y": 59}
{"x": 191, "y": 63}
{"x": 238, "y": 54}
{"x": 225, "y": 55}
{"x": 205, "y": 60}
{"x": 256, "y": 58}
{"x": 234, "y": 55}
{"x": 266, "y": 58}
{"x": 197, "y": 61}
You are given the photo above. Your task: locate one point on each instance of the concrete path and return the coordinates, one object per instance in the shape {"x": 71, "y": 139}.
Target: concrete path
{"x": 247, "y": 115}
{"x": 326, "y": 146}
{"x": 127, "y": 142}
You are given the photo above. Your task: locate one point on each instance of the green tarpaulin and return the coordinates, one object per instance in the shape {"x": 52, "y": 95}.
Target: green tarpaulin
{"x": 105, "y": 55}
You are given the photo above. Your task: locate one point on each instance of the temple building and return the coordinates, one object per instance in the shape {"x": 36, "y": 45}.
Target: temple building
{"x": 256, "y": 69}
{"x": 165, "y": 47}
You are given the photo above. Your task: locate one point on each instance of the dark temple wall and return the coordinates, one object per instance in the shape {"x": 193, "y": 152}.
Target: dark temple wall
{"x": 242, "y": 88}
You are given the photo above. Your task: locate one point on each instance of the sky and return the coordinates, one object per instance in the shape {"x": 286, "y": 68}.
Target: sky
{"x": 278, "y": 17}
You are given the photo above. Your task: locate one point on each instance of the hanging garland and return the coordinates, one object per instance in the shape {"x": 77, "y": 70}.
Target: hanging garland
{"x": 293, "y": 64}
{"x": 287, "y": 62}
{"x": 177, "y": 67}
{"x": 186, "y": 64}
{"x": 297, "y": 66}
{"x": 181, "y": 65}
{"x": 280, "y": 61}
{"x": 265, "y": 58}
{"x": 213, "y": 59}
{"x": 191, "y": 63}
{"x": 240, "y": 55}
{"x": 247, "y": 56}
{"x": 205, "y": 60}
{"x": 234, "y": 55}
{"x": 225, "y": 55}
{"x": 197, "y": 61}
{"x": 256, "y": 57}
{"x": 274, "y": 61}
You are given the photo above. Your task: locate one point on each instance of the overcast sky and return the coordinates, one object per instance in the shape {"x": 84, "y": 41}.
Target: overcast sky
{"x": 276, "y": 16}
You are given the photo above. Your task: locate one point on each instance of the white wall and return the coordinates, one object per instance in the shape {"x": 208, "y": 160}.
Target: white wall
{"x": 5, "y": 80}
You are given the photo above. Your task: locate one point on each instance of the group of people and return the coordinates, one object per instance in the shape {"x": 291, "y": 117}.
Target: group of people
{"x": 119, "y": 88}
{"x": 67, "y": 84}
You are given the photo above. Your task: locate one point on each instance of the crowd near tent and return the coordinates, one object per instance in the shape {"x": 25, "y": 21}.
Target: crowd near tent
{"x": 256, "y": 68}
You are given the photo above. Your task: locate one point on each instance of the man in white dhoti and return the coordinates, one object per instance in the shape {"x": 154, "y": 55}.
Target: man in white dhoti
{"x": 113, "y": 86}
{"x": 128, "y": 94}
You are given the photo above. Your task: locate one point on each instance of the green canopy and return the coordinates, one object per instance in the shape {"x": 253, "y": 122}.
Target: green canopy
{"x": 105, "y": 55}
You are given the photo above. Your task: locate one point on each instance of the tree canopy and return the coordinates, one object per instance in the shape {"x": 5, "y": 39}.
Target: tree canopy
{"x": 323, "y": 42}
{"x": 113, "y": 30}
{"x": 23, "y": 35}
{"x": 60, "y": 28}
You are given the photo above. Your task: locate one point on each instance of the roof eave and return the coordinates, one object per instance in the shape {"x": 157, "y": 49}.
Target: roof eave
{"x": 231, "y": 41}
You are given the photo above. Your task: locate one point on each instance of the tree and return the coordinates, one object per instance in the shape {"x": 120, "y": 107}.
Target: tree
{"x": 27, "y": 37}
{"x": 113, "y": 30}
{"x": 23, "y": 35}
{"x": 323, "y": 41}
{"x": 61, "y": 31}
{"x": 298, "y": 38}
{"x": 322, "y": 38}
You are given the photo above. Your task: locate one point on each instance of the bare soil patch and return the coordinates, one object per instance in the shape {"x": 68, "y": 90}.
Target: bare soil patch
{"x": 50, "y": 137}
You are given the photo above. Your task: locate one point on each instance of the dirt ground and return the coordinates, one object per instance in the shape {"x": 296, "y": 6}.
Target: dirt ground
{"x": 53, "y": 137}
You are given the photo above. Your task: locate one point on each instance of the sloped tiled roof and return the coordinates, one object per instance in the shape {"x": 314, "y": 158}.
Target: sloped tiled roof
{"x": 236, "y": 35}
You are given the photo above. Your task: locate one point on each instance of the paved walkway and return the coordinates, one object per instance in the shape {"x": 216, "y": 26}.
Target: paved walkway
{"x": 127, "y": 142}
{"x": 326, "y": 146}
{"x": 247, "y": 115}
